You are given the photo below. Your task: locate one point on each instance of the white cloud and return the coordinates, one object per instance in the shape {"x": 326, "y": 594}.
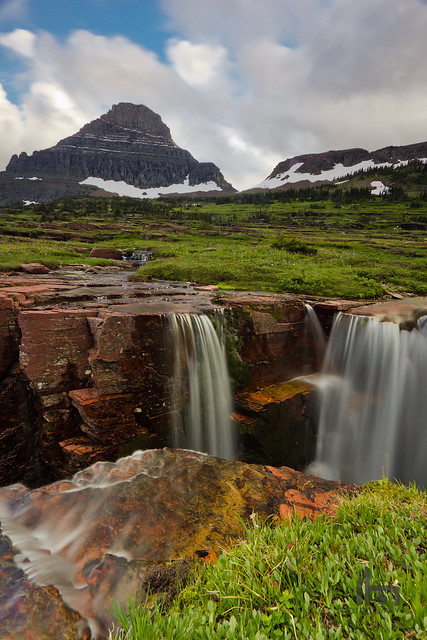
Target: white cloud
{"x": 197, "y": 64}
{"x": 19, "y": 41}
{"x": 246, "y": 84}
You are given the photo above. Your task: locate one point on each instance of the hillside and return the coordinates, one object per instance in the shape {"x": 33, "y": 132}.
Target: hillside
{"x": 337, "y": 167}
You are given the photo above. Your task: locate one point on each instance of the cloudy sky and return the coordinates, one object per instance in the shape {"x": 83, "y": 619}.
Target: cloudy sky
{"x": 241, "y": 83}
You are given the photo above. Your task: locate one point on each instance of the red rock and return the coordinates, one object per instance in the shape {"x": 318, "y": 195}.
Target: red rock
{"x": 276, "y": 423}
{"x": 54, "y": 357}
{"x": 106, "y": 418}
{"x": 34, "y": 267}
{"x": 32, "y": 612}
{"x": 109, "y": 254}
{"x": 119, "y": 520}
{"x": 326, "y": 503}
{"x": 9, "y": 334}
{"x": 276, "y": 344}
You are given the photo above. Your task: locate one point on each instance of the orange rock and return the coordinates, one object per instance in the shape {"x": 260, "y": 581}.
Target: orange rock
{"x": 112, "y": 522}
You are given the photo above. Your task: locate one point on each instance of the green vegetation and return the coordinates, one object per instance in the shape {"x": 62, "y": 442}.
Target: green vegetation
{"x": 307, "y": 580}
{"x": 319, "y": 241}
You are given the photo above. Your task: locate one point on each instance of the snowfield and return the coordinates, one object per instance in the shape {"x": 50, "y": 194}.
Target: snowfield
{"x": 292, "y": 176}
{"x": 125, "y": 189}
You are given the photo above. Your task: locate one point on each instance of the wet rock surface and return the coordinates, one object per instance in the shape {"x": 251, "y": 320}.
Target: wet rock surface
{"x": 277, "y": 423}
{"x": 28, "y": 610}
{"x": 111, "y": 530}
{"x": 405, "y": 312}
{"x": 87, "y": 361}
{"x": 276, "y": 343}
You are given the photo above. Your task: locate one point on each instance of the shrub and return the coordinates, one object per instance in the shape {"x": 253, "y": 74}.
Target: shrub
{"x": 294, "y": 246}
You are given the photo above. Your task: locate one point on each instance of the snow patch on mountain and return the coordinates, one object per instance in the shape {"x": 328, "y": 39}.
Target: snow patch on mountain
{"x": 124, "y": 189}
{"x": 293, "y": 176}
{"x": 378, "y": 188}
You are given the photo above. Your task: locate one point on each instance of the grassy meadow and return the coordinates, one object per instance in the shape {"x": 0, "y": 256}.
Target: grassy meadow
{"x": 359, "y": 249}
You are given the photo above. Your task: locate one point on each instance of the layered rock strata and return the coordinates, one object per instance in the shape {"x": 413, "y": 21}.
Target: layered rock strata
{"x": 129, "y": 144}
{"x": 87, "y": 363}
{"x": 87, "y": 370}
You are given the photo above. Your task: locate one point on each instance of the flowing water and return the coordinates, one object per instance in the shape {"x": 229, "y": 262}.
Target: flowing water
{"x": 318, "y": 335}
{"x": 201, "y": 388}
{"x": 373, "y": 402}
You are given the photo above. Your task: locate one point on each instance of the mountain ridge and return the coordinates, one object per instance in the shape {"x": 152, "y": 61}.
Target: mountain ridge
{"x": 319, "y": 168}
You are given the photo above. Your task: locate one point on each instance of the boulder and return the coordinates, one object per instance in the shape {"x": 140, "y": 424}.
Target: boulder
{"x": 108, "y": 254}
{"x": 114, "y": 528}
{"x": 34, "y": 267}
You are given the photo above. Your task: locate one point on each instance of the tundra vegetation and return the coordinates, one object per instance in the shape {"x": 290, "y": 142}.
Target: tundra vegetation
{"x": 319, "y": 241}
{"x": 304, "y": 579}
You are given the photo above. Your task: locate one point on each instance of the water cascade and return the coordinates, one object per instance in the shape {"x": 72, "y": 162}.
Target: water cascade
{"x": 373, "y": 402}
{"x": 201, "y": 390}
{"x": 138, "y": 257}
{"x": 318, "y": 335}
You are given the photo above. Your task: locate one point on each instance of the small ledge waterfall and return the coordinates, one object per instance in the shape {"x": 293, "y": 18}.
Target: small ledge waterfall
{"x": 201, "y": 392}
{"x": 373, "y": 402}
{"x": 318, "y": 335}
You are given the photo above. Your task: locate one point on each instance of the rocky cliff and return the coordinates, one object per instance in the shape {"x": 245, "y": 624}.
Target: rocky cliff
{"x": 312, "y": 168}
{"x": 86, "y": 370}
{"x": 129, "y": 144}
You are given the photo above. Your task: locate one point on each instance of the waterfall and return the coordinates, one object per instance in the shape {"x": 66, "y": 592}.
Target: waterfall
{"x": 201, "y": 391}
{"x": 373, "y": 402}
{"x": 318, "y": 336}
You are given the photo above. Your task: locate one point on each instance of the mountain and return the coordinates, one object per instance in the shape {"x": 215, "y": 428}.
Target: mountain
{"x": 320, "y": 168}
{"x": 128, "y": 150}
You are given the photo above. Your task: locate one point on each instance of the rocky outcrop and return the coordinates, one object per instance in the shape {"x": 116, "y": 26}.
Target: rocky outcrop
{"x": 277, "y": 423}
{"x": 87, "y": 363}
{"x": 128, "y": 144}
{"x": 275, "y": 340}
{"x": 113, "y": 530}
{"x": 87, "y": 370}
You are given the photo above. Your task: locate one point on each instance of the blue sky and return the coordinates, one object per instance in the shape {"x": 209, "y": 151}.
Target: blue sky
{"x": 241, "y": 83}
{"x": 140, "y": 20}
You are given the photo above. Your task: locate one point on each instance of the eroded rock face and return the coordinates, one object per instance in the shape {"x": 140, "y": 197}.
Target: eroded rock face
{"x": 277, "y": 424}
{"x": 112, "y": 525}
{"x": 88, "y": 363}
{"x": 276, "y": 342}
{"x": 93, "y": 366}
{"x": 128, "y": 144}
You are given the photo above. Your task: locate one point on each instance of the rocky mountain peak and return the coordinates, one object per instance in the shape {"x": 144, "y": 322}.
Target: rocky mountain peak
{"x": 137, "y": 118}
{"x": 129, "y": 144}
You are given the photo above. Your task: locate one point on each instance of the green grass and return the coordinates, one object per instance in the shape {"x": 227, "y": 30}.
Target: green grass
{"x": 357, "y": 270}
{"x": 300, "y": 580}
{"x": 313, "y": 247}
